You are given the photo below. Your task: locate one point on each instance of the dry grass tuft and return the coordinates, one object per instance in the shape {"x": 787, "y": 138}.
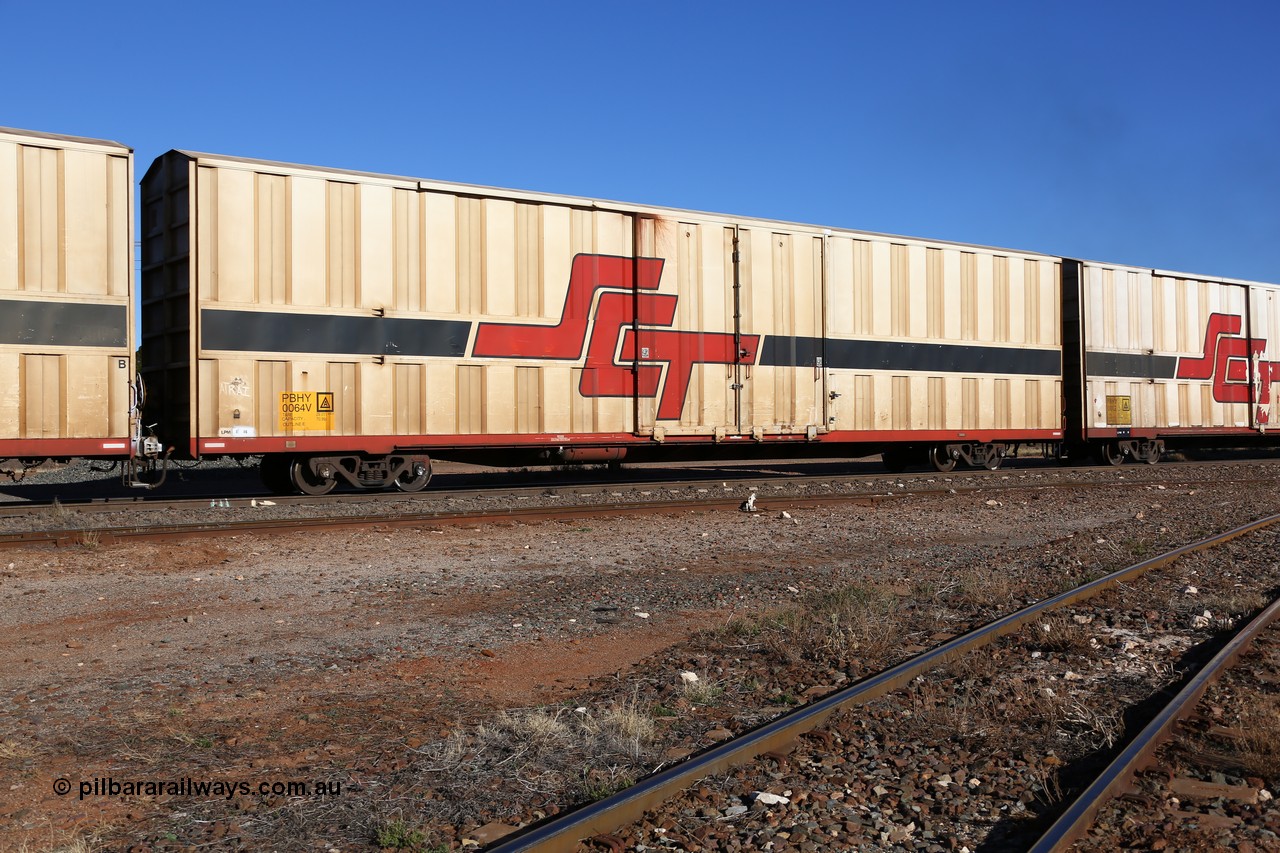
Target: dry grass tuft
{"x": 1230, "y": 606}
{"x": 702, "y": 692}
{"x": 537, "y": 727}
{"x": 1047, "y": 785}
{"x": 61, "y": 842}
{"x": 547, "y": 751}
{"x": 1258, "y": 751}
{"x": 852, "y": 621}
{"x": 1094, "y": 727}
{"x": 1060, "y": 632}
{"x": 12, "y": 750}
{"x": 985, "y": 585}
{"x": 1003, "y": 709}
{"x": 58, "y": 512}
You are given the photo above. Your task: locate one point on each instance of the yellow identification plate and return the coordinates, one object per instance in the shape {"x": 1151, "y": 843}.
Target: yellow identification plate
{"x": 1119, "y": 411}
{"x": 304, "y": 410}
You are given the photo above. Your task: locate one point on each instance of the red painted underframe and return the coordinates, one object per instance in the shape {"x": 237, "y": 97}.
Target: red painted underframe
{"x": 382, "y": 444}
{"x": 84, "y": 448}
{"x": 1112, "y": 432}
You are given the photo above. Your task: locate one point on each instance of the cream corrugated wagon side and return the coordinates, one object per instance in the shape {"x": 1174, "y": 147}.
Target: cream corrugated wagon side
{"x": 67, "y": 303}
{"x": 349, "y": 327}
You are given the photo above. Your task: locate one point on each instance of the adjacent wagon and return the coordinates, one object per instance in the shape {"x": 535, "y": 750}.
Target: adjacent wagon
{"x": 66, "y": 299}
{"x": 1168, "y": 357}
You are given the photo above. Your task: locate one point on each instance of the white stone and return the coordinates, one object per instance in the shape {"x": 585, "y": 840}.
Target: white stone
{"x": 689, "y": 677}
{"x": 1190, "y": 590}
{"x": 771, "y": 799}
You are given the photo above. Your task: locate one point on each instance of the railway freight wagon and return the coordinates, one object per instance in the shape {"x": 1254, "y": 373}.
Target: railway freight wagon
{"x": 1168, "y": 357}
{"x": 349, "y": 327}
{"x": 66, "y": 300}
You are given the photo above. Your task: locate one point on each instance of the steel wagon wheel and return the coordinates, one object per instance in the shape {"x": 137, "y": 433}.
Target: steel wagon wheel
{"x": 307, "y": 482}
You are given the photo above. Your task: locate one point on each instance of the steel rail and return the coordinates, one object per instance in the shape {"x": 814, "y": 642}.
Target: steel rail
{"x": 562, "y": 831}
{"x": 1076, "y": 820}
{"x": 975, "y": 479}
{"x": 113, "y": 535}
{"x": 142, "y": 503}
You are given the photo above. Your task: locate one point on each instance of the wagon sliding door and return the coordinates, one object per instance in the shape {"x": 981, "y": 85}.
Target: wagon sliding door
{"x": 780, "y": 297}
{"x": 690, "y": 352}
{"x": 1264, "y": 350}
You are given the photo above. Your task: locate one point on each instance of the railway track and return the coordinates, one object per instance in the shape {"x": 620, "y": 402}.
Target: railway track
{"x": 1141, "y": 751}
{"x": 112, "y": 535}
{"x": 600, "y": 819}
{"x": 46, "y": 523}
{"x": 97, "y": 497}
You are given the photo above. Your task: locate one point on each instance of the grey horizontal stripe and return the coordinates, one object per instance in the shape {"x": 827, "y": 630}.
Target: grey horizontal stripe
{"x": 271, "y": 331}
{"x": 909, "y": 357}
{"x": 1097, "y": 363}
{"x": 63, "y": 324}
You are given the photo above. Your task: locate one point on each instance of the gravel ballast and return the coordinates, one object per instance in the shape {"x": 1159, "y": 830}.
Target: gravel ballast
{"x": 387, "y": 659}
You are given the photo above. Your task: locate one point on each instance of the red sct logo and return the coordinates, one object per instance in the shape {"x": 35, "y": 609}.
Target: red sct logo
{"x": 1226, "y": 359}
{"x": 611, "y": 314}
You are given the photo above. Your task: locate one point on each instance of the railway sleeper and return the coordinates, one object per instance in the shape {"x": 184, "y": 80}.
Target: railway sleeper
{"x": 319, "y": 475}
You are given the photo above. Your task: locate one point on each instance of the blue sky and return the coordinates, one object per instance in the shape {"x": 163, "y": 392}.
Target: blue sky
{"x": 1141, "y": 132}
